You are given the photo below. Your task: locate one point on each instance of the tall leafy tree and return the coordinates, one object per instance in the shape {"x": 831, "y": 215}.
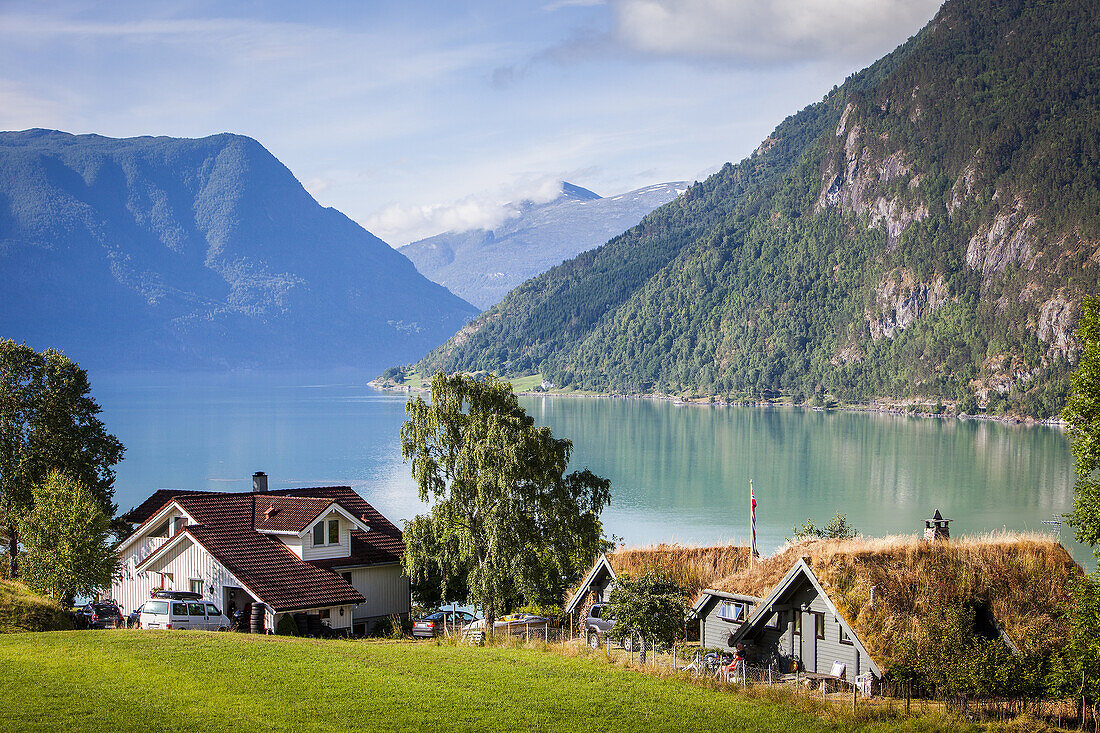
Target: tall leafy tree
{"x": 1082, "y": 416}
{"x": 48, "y": 421}
{"x": 505, "y": 519}
{"x": 68, "y": 540}
{"x": 651, "y": 607}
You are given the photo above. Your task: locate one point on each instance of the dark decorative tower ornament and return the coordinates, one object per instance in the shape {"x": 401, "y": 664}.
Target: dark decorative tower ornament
{"x": 936, "y": 528}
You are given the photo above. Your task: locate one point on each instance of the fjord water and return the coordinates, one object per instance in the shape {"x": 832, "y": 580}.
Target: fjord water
{"x": 678, "y": 472}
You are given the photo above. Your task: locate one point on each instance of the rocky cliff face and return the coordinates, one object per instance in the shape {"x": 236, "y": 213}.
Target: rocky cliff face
{"x": 899, "y": 300}
{"x": 857, "y": 182}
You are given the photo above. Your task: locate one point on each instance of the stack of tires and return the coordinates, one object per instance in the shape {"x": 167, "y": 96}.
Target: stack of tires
{"x": 259, "y": 617}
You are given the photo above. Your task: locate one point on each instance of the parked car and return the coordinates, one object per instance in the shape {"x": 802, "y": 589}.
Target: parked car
{"x": 178, "y": 614}
{"x": 101, "y": 615}
{"x": 516, "y": 624}
{"x": 438, "y": 623}
{"x": 598, "y": 622}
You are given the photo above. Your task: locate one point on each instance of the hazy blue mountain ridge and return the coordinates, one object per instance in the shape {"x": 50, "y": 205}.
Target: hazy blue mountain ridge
{"x": 197, "y": 252}
{"x": 483, "y": 265}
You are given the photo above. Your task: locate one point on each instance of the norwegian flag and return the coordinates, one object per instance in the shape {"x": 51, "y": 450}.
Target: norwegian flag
{"x": 752, "y": 519}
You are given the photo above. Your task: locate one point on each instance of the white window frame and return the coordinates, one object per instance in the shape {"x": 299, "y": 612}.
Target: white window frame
{"x": 736, "y": 611}
{"x": 324, "y": 526}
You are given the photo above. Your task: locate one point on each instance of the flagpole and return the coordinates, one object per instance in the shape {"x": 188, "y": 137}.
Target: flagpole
{"x": 752, "y": 525}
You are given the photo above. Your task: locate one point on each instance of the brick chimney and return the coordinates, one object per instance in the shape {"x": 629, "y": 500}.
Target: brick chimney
{"x": 259, "y": 481}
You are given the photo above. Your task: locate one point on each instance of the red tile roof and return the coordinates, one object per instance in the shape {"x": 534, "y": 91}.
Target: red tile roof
{"x": 226, "y": 527}
{"x": 383, "y": 544}
{"x": 287, "y": 513}
{"x": 139, "y": 514}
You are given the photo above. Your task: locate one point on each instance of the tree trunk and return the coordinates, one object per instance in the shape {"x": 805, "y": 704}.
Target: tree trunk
{"x": 13, "y": 552}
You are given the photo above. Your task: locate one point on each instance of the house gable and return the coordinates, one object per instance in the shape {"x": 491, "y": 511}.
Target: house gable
{"x": 797, "y": 602}
{"x": 172, "y": 510}
{"x": 595, "y": 582}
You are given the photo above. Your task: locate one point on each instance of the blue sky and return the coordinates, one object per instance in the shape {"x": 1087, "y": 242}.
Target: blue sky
{"x": 418, "y": 117}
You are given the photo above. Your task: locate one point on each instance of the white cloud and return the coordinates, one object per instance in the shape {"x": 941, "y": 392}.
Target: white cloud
{"x": 399, "y": 224}
{"x": 768, "y": 30}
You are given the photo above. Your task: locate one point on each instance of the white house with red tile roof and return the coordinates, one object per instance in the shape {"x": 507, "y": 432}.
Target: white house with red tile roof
{"x": 321, "y": 551}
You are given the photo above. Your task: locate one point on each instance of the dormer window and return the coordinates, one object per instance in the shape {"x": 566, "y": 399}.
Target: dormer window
{"x": 733, "y": 611}
{"x": 333, "y": 535}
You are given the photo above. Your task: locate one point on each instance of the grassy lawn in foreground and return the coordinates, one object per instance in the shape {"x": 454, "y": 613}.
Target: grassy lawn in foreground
{"x": 196, "y": 681}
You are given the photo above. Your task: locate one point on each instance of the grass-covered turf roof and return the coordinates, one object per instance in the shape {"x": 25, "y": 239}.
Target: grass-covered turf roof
{"x": 1022, "y": 579}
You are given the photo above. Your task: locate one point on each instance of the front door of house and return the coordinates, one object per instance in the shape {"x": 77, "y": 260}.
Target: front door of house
{"x": 809, "y": 642}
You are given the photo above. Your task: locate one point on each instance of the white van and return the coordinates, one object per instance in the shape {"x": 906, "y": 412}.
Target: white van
{"x": 159, "y": 613}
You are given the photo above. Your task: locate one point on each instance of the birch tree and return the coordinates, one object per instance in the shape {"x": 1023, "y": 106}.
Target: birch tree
{"x": 504, "y": 518}
{"x": 68, "y": 540}
{"x": 48, "y": 421}
{"x": 1082, "y": 416}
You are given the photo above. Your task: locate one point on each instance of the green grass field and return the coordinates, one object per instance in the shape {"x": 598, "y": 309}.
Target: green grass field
{"x": 199, "y": 681}
{"x": 21, "y": 609}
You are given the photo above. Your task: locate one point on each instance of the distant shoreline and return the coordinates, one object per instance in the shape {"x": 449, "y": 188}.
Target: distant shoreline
{"x": 889, "y": 409}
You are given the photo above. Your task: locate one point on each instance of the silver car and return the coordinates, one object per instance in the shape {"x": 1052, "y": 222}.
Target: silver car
{"x": 598, "y": 622}
{"x": 179, "y": 614}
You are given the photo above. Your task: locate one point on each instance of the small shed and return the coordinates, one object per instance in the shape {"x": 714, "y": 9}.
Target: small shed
{"x": 694, "y": 568}
{"x": 721, "y": 615}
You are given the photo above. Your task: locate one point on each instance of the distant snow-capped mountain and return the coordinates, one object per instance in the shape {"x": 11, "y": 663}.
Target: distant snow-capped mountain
{"x": 482, "y": 265}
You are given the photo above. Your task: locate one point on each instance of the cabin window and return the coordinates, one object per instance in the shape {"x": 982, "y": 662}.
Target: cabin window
{"x": 334, "y": 531}
{"x": 844, "y": 638}
{"x": 346, "y": 577}
{"x": 819, "y": 625}
{"x": 319, "y": 534}
{"x": 797, "y": 622}
{"x": 195, "y": 585}
{"x": 178, "y": 523}
{"x": 732, "y": 611}
{"x": 161, "y": 530}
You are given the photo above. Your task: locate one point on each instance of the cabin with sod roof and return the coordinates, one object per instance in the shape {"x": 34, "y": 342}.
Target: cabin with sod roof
{"x": 323, "y": 552}
{"x": 694, "y": 568}
{"x": 859, "y": 607}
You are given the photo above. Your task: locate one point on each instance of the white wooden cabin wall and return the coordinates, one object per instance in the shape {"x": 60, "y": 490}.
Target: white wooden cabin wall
{"x": 385, "y": 588}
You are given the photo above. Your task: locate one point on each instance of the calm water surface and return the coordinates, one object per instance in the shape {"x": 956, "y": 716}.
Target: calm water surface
{"x": 679, "y": 473}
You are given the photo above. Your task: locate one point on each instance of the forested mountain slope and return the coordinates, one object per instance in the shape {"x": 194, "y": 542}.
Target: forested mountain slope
{"x": 177, "y": 253}
{"x": 483, "y": 265}
{"x": 928, "y": 229}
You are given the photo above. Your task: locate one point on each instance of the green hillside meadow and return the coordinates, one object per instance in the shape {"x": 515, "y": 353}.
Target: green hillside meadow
{"x": 206, "y": 681}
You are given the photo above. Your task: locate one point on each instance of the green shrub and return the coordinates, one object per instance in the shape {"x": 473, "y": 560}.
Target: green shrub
{"x": 286, "y": 626}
